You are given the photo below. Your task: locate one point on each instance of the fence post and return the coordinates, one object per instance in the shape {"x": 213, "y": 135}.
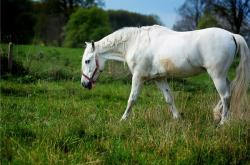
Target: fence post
{"x": 10, "y": 57}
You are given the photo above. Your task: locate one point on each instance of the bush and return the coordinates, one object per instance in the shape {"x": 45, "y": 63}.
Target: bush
{"x": 86, "y": 25}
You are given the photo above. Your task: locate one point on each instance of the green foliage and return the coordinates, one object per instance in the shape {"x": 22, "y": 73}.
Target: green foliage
{"x": 206, "y": 21}
{"x": 52, "y": 16}
{"x": 17, "y": 21}
{"x": 85, "y": 25}
{"x": 48, "y": 22}
{"x": 48, "y": 29}
{"x": 122, "y": 18}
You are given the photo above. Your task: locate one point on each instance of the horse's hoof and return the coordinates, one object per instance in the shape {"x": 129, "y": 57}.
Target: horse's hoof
{"x": 124, "y": 118}
{"x": 217, "y": 117}
{"x": 178, "y": 116}
{"x": 222, "y": 122}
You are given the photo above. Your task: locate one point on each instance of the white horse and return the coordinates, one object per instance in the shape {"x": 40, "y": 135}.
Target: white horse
{"x": 155, "y": 52}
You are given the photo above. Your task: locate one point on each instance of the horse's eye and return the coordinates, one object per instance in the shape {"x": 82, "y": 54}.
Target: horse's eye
{"x": 87, "y": 61}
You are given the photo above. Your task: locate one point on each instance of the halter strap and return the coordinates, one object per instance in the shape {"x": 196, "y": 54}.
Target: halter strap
{"x": 91, "y": 79}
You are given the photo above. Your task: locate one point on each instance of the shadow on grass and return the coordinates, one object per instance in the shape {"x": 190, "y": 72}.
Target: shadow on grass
{"x": 73, "y": 138}
{"x": 12, "y": 138}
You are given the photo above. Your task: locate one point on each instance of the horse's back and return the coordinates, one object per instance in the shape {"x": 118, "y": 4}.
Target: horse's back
{"x": 187, "y": 53}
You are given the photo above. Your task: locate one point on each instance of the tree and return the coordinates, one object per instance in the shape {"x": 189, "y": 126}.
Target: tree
{"x": 191, "y": 12}
{"x": 52, "y": 16}
{"x": 86, "y": 25}
{"x": 207, "y": 20}
{"x": 17, "y": 21}
{"x": 67, "y": 6}
{"x": 122, "y": 18}
{"x": 233, "y": 15}
{"x": 236, "y": 13}
{"x": 50, "y": 22}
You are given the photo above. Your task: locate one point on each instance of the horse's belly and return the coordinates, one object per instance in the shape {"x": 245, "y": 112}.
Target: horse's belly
{"x": 179, "y": 70}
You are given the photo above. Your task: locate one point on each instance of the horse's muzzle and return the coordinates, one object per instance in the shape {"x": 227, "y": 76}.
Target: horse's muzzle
{"x": 87, "y": 85}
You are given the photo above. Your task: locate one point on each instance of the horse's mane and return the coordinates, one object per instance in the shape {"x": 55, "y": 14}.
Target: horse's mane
{"x": 122, "y": 35}
{"x": 118, "y": 37}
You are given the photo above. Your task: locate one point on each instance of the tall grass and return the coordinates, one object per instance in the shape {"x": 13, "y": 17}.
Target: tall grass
{"x": 58, "y": 122}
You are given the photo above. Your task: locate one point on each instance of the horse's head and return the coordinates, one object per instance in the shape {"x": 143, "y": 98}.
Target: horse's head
{"x": 92, "y": 65}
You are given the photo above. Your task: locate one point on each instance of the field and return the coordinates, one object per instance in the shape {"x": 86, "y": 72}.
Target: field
{"x": 48, "y": 118}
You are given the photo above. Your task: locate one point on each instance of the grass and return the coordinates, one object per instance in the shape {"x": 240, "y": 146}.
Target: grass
{"x": 50, "y": 63}
{"x": 50, "y": 121}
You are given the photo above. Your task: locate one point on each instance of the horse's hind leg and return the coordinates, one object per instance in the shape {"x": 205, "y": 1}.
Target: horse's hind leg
{"x": 217, "y": 111}
{"x": 223, "y": 89}
{"x": 163, "y": 85}
{"x": 219, "y": 107}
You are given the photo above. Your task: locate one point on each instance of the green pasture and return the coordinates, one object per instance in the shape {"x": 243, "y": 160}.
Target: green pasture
{"x": 48, "y": 118}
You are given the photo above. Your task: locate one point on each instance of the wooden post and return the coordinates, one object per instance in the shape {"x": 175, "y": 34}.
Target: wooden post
{"x": 10, "y": 57}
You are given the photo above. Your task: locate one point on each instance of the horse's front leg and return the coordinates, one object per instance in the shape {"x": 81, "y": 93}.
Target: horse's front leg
{"x": 135, "y": 89}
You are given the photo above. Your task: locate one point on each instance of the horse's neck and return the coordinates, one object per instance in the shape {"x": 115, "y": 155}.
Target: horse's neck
{"x": 114, "y": 46}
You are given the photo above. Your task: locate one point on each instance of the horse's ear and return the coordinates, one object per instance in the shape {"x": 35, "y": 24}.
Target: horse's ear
{"x": 85, "y": 45}
{"x": 93, "y": 45}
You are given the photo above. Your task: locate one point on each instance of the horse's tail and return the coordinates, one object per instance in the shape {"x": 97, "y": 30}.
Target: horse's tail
{"x": 240, "y": 83}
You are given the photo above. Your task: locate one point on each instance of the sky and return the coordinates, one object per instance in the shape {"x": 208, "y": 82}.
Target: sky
{"x": 165, "y": 9}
